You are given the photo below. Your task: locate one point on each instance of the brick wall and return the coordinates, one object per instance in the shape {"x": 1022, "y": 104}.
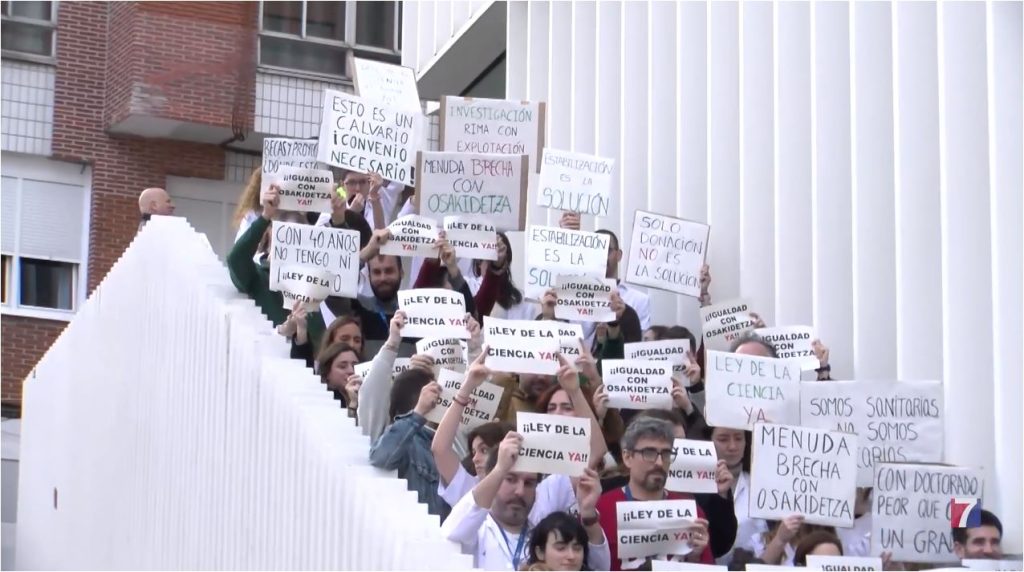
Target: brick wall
{"x": 86, "y": 82}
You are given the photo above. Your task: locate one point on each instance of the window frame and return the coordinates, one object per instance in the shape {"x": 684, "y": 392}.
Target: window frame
{"x": 349, "y": 45}
{"x": 23, "y": 167}
{"x": 50, "y": 24}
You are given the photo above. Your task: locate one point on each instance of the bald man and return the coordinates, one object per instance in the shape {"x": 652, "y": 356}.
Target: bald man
{"x": 154, "y": 201}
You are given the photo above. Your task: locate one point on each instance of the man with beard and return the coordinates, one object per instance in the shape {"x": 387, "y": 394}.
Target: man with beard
{"x": 647, "y": 453}
{"x": 494, "y": 521}
{"x": 385, "y": 272}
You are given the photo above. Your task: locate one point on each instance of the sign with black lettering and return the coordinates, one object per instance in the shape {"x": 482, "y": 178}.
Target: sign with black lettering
{"x": 674, "y": 352}
{"x": 483, "y": 402}
{"x": 492, "y": 187}
{"x": 797, "y": 470}
{"x": 305, "y": 190}
{"x": 585, "y": 299}
{"x": 743, "y": 389}
{"x": 667, "y": 253}
{"x": 895, "y": 421}
{"x": 723, "y": 323}
{"x": 333, "y": 250}
{"x": 552, "y": 444}
{"x": 495, "y": 126}
{"x": 693, "y": 470}
{"x": 368, "y": 137}
{"x": 521, "y": 346}
{"x": 299, "y": 284}
{"x": 447, "y": 353}
{"x": 553, "y": 252}
{"x": 655, "y": 528}
{"x": 637, "y": 384}
{"x": 387, "y": 84}
{"x": 412, "y": 235}
{"x": 792, "y": 342}
{"x": 815, "y": 562}
{"x": 910, "y": 509}
{"x": 281, "y": 151}
{"x": 575, "y": 182}
{"x": 471, "y": 237}
{"x": 433, "y": 312}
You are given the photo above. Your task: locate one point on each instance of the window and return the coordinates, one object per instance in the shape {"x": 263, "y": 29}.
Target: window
{"x": 28, "y": 29}
{"x": 42, "y": 238}
{"x": 319, "y": 37}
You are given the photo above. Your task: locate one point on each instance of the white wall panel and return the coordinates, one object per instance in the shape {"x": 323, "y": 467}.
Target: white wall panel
{"x": 559, "y": 97}
{"x": 609, "y": 101}
{"x": 537, "y": 56}
{"x": 874, "y": 260}
{"x": 634, "y": 152}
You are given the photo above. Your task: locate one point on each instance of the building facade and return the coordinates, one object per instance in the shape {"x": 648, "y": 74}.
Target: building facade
{"x": 104, "y": 99}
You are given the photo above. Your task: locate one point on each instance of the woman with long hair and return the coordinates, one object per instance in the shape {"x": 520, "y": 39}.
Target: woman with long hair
{"x": 336, "y": 365}
{"x": 498, "y": 295}
{"x": 248, "y": 209}
{"x": 818, "y": 543}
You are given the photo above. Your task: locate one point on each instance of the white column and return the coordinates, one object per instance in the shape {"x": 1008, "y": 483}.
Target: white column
{"x": 516, "y": 62}
{"x": 537, "y": 87}
{"x": 609, "y": 99}
{"x": 634, "y": 149}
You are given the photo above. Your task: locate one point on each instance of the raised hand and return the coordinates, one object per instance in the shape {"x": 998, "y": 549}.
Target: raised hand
{"x": 270, "y": 199}
{"x": 568, "y": 379}
{"x": 428, "y": 398}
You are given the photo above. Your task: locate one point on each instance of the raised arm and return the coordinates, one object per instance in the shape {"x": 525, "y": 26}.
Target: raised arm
{"x": 376, "y": 388}
{"x": 441, "y": 447}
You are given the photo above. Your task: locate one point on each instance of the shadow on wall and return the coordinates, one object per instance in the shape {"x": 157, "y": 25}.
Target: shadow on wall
{"x": 9, "y": 488}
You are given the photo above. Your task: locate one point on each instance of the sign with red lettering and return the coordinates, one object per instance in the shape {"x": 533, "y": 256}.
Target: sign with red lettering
{"x": 492, "y": 187}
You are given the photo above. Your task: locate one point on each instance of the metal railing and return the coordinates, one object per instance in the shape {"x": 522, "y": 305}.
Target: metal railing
{"x": 167, "y": 429}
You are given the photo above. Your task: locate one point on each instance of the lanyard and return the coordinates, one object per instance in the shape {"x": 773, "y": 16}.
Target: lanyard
{"x": 517, "y": 555}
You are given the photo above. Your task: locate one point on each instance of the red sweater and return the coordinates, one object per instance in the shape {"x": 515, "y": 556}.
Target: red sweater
{"x": 610, "y": 522}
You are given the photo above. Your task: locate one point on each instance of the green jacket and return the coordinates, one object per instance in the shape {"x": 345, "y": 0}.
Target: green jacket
{"x": 253, "y": 280}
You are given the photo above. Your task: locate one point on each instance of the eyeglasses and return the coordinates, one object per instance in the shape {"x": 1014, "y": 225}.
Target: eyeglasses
{"x": 650, "y": 454}
{"x": 357, "y": 182}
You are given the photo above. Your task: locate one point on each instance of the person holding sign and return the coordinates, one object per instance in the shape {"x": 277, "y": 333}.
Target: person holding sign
{"x": 647, "y": 452}
{"x": 337, "y": 371}
{"x": 495, "y": 520}
{"x": 444, "y": 272}
{"x": 497, "y": 295}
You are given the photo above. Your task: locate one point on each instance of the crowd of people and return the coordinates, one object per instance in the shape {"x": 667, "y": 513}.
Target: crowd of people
{"x": 512, "y": 520}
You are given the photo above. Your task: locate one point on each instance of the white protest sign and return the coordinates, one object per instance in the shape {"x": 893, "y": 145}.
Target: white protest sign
{"x": 743, "y": 389}
{"x": 492, "y": 187}
{"x": 575, "y": 182}
{"x": 308, "y": 286}
{"x": 477, "y": 125}
{"x": 667, "y": 565}
{"x": 335, "y": 250}
{"x": 569, "y": 336}
{"x": 411, "y": 235}
{"x": 693, "y": 470}
{"x": 797, "y": 470}
{"x": 895, "y": 421}
{"x": 792, "y": 342}
{"x": 552, "y": 444}
{"x": 363, "y": 136}
{"x": 483, "y": 403}
{"x": 447, "y": 353}
{"x": 281, "y": 151}
{"x": 980, "y": 564}
{"x": 667, "y": 253}
{"x": 388, "y": 84}
{"x": 676, "y": 352}
{"x": 472, "y": 238}
{"x": 553, "y": 252}
{"x": 910, "y": 509}
{"x": 521, "y": 346}
{"x": 723, "y": 323}
{"x": 654, "y": 528}
{"x": 637, "y": 384}
{"x": 815, "y": 562}
{"x": 765, "y": 567}
{"x": 305, "y": 190}
{"x": 401, "y": 364}
{"x": 433, "y": 312}
{"x": 585, "y": 299}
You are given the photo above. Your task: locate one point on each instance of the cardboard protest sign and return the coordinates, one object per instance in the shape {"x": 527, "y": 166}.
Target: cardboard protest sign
{"x": 367, "y": 137}
{"x": 447, "y": 353}
{"x": 895, "y": 421}
{"x": 575, "y": 182}
{"x": 281, "y": 151}
{"x": 492, "y": 187}
{"x": 667, "y": 253}
{"x": 471, "y": 238}
{"x": 981, "y": 564}
{"x": 743, "y": 389}
{"x": 553, "y": 252}
{"x": 585, "y": 299}
{"x": 483, "y": 403}
{"x": 433, "y": 312}
{"x": 334, "y": 250}
{"x": 815, "y": 562}
{"x": 910, "y": 509}
{"x": 675, "y": 352}
{"x": 797, "y": 470}
{"x": 654, "y": 528}
{"x": 792, "y": 342}
{"x": 666, "y": 565}
{"x": 308, "y": 286}
{"x": 552, "y": 444}
{"x": 637, "y": 384}
{"x": 693, "y": 471}
{"x": 498, "y": 126}
{"x": 411, "y": 235}
{"x": 304, "y": 190}
{"x": 723, "y": 323}
{"x": 387, "y": 84}
{"x": 521, "y": 346}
